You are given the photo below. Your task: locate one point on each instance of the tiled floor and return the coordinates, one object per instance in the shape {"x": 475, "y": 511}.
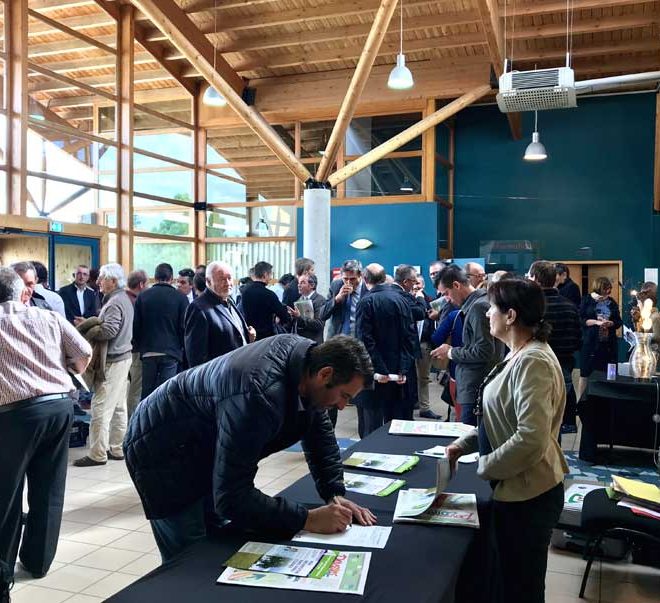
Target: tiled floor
{"x": 106, "y": 543}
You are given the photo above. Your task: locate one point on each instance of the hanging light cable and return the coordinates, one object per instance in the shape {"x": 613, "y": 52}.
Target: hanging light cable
{"x": 212, "y": 98}
{"x": 400, "y": 77}
{"x": 535, "y": 150}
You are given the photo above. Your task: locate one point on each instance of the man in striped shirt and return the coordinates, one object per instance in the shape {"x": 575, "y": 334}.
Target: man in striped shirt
{"x": 37, "y": 348}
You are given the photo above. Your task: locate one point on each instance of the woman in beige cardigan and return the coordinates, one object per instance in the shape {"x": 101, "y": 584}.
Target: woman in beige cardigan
{"x": 522, "y": 402}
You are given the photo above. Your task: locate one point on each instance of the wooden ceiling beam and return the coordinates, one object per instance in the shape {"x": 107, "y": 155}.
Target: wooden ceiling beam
{"x": 609, "y": 48}
{"x": 45, "y": 5}
{"x": 591, "y": 25}
{"x": 198, "y": 6}
{"x": 490, "y": 23}
{"x": 559, "y": 6}
{"x": 155, "y": 49}
{"x": 369, "y": 53}
{"x": 351, "y": 52}
{"x": 342, "y": 8}
{"x": 330, "y": 34}
{"x": 409, "y": 134}
{"x": 201, "y": 54}
{"x": 91, "y": 63}
{"x": 141, "y": 96}
{"x": 66, "y": 46}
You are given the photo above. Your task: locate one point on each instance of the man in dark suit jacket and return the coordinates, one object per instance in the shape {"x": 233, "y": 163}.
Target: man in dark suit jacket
{"x": 312, "y": 328}
{"x": 260, "y": 305}
{"x": 291, "y": 293}
{"x": 567, "y": 288}
{"x": 345, "y": 294}
{"x": 213, "y": 323}
{"x": 383, "y": 325}
{"x": 80, "y": 300}
{"x": 158, "y": 329}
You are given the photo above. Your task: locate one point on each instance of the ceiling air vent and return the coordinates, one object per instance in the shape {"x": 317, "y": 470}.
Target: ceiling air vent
{"x": 537, "y": 90}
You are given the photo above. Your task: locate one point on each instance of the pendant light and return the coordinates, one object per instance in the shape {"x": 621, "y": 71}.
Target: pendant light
{"x": 535, "y": 150}
{"x": 406, "y": 186}
{"x": 212, "y": 98}
{"x": 400, "y": 77}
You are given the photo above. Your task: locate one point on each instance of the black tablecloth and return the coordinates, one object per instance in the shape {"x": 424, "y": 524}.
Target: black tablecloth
{"x": 420, "y": 563}
{"x": 618, "y": 412}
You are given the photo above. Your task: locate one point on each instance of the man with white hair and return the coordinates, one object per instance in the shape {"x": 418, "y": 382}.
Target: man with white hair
{"x": 112, "y": 335}
{"x": 213, "y": 323}
{"x": 37, "y": 348}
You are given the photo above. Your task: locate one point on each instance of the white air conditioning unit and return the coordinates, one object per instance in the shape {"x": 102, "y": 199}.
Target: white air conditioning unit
{"x": 537, "y": 90}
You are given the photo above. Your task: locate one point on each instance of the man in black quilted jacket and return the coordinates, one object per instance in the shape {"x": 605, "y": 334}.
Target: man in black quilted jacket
{"x": 193, "y": 445}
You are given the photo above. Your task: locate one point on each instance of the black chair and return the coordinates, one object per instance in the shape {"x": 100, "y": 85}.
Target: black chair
{"x": 602, "y": 518}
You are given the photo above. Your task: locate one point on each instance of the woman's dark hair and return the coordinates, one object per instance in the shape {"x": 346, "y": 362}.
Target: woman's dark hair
{"x": 346, "y": 355}
{"x": 285, "y": 279}
{"x": 527, "y": 299}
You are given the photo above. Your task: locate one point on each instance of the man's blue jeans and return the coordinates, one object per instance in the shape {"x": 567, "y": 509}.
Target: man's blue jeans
{"x": 175, "y": 533}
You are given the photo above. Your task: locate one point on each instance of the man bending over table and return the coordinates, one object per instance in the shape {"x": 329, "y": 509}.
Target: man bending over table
{"x": 193, "y": 445}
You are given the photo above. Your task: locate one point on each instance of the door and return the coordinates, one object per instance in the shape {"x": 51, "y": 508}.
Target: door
{"x": 68, "y": 252}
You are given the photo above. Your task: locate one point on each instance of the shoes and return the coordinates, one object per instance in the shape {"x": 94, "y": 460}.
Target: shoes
{"x": 568, "y": 429}
{"x": 429, "y": 414}
{"x": 87, "y": 462}
{"x": 115, "y": 457}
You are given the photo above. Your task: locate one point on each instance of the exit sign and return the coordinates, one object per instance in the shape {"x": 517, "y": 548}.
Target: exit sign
{"x": 55, "y": 227}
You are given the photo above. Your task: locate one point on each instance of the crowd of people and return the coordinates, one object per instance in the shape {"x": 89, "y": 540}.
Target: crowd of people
{"x": 193, "y": 359}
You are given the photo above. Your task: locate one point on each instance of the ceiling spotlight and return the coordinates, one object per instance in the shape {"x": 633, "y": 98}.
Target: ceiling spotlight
{"x": 361, "y": 244}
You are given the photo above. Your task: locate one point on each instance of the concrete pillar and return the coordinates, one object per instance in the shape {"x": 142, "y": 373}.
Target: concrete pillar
{"x": 316, "y": 233}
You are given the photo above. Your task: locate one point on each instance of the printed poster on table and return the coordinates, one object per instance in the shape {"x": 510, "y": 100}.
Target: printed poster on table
{"x": 281, "y": 559}
{"x": 429, "y": 428}
{"x": 391, "y": 463}
{"x": 346, "y": 575}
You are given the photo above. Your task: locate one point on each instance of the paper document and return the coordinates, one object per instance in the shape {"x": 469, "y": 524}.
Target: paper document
{"x": 574, "y": 495}
{"x": 305, "y": 307}
{"x": 637, "y": 510}
{"x": 413, "y": 506}
{"x": 347, "y": 575}
{"x": 371, "y": 484}
{"x": 392, "y": 463}
{"x": 438, "y": 452}
{"x": 373, "y": 537}
{"x": 390, "y": 377}
{"x": 429, "y": 428}
{"x": 645, "y": 493}
{"x": 282, "y": 559}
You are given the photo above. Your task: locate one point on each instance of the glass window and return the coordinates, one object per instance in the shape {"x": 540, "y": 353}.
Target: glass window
{"x": 162, "y": 178}
{"x": 65, "y": 202}
{"x": 148, "y": 253}
{"x": 161, "y": 218}
{"x": 242, "y": 255}
{"x": 387, "y": 177}
{"x": 227, "y": 222}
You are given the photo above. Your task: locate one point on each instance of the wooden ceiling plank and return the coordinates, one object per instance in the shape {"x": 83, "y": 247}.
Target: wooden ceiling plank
{"x": 170, "y": 19}
{"x": 155, "y": 49}
{"x": 559, "y": 6}
{"x": 490, "y": 22}
{"x": 409, "y": 134}
{"x": 356, "y": 86}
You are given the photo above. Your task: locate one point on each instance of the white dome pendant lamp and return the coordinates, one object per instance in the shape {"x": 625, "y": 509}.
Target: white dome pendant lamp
{"x": 535, "y": 150}
{"x": 212, "y": 98}
{"x": 400, "y": 77}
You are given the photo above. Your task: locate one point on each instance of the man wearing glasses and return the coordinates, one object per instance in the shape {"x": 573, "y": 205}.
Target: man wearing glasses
{"x": 475, "y": 273}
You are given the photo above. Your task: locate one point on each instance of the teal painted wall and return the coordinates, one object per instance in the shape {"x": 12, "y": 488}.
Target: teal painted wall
{"x": 402, "y": 233}
{"x": 595, "y": 189}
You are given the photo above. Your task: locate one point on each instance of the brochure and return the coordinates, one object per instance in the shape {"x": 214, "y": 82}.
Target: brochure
{"x": 347, "y": 575}
{"x": 373, "y": 537}
{"x": 429, "y": 428}
{"x": 305, "y": 307}
{"x": 438, "y": 452}
{"x": 282, "y": 559}
{"x": 371, "y": 485}
{"x": 574, "y": 495}
{"x": 424, "y": 506}
{"x": 392, "y": 463}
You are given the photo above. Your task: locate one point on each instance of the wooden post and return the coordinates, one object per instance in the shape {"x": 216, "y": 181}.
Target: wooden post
{"x": 358, "y": 81}
{"x": 451, "y": 197}
{"x": 297, "y": 144}
{"x": 407, "y": 135}
{"x": 200, "y": 193}
{"x": 16, "y": 26}
{"x": 428, "y": 156}
{"x": 124, "y": 112}
{"x": 182, "y": 32}
{"x": 656, "y": 165}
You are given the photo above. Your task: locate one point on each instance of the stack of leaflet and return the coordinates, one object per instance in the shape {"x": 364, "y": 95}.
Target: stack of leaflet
{"x": 640, "y": 498}
{"x": 573, "y": 498}
{"x": 429, "y": 428}
{"x": 390, "y": 463}
{"x": 297, "y": 568}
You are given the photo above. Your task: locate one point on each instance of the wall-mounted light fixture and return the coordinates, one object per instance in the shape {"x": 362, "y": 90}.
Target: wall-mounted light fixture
{"x": 361, "y": 244}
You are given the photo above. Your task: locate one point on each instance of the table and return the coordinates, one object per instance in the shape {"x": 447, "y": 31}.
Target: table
{"x": 618, "y": 412}
{"x": 424, "y": 564}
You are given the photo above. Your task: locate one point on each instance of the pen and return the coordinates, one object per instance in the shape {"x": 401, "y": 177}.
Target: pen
{"x": 336, "y": 501}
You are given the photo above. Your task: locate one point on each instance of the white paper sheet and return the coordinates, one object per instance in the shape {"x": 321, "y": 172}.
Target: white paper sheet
{"x": 373, "y": 537}
{"x": 429, "y": 428}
